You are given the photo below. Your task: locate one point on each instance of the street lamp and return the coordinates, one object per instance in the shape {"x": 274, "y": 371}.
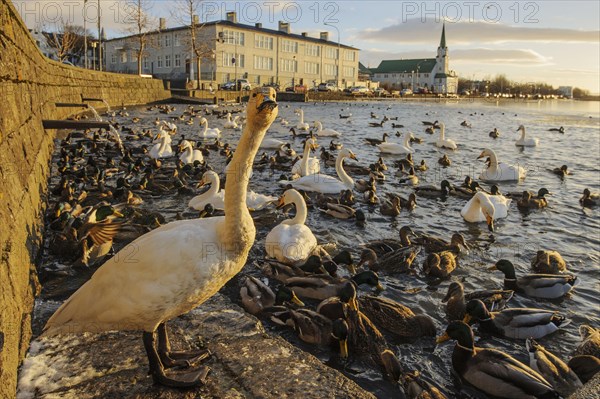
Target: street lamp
{"x": 99, "y": 40}
{"x": 94, "y": 44}
{"x": 412, "y": 80}
{"x": 337, "y": 72}
{"x": 294, "y": 74}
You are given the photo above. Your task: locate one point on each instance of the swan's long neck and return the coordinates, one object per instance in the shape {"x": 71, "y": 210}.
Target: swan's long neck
{"x": 407, "y": 141}
{"x": 442, "y": 132}
{"x": 205, "y": 127}
{"x": 522, "y": 133}
{"x": 215, "y": 185}
{"x": 319, "y": 126}
{"x": 229, "y": 117}
{"x": 239, "y": 232}
{"x": 339, "y": 168}
{"x": 163, "y": 144}
{"x": 301, "y": 212}
{"x": 301, "y": 116}
{"x": 304, "y": 161}
{"x": 493, "y": 161}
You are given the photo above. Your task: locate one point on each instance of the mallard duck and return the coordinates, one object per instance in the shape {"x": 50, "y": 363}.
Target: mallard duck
{"x": 280, "y": 271}
{"x": 434, "y": 192}
{"x": 390, "y": 208}
{"x": 589, "y": 199}
{"x": 494, "y": 133}
{"x": 422, "y": 167}
{"x": 392, "y": 262}
{"x": 405, "y": 163}
{"x": 554, "y": 129}
{"x": 362, "y": 185}
{"x": 415, "y": 387}
{"x": 371, "y": 197}
{"x": 440, "y": 264}
{"x": 529, "y": 201}
{"x": 335, "y": 146}
{"x": 516, "y": 323}
{"x": 409, "y": 203}
{"x": 323, "y": 287}
{"x": 585, "y": 366}
{"x": 410, "y": 178}
{"x": 554, "y": 370}
{"x": 492, "y": 371}
{"x": 547, "y": 286}
{"x": 445, "y": 161}
{"x": 562, "y": 171}
{"x": 548, "y": 262}
{"x": 391, "y": 244}
{"x": 437, "y": 244}
{"x": 456, "y": 300}
{"x": 590, "y": 338}
{"x": 257, "y": 297}
{"x": 339, "y": 211}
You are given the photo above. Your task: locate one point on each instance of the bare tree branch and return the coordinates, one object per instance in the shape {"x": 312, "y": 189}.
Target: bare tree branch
{"x": 139, "y": 23}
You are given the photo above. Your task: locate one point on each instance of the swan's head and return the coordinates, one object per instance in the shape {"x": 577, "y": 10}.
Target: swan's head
{"x": 209, "y": 177}
{"x": 346, "y": 153}
{"x": 521, "y": 128}
{"x": 288, "y": 197}
{"x": 312, "y": 143}
{"x": 262, "y": 108}
{"x": 203, "y": 121}
{"x": 487, "y": 208}
{"x": 486, "y": 153}
{"x": 184, "y": 145}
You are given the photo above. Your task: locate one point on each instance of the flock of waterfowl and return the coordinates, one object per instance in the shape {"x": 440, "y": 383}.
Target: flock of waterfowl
{"x": 163, "y": 270}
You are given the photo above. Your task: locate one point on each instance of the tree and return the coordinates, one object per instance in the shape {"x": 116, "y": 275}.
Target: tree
{"x": 140, "y": 24}
{"x": 67, "y": 39}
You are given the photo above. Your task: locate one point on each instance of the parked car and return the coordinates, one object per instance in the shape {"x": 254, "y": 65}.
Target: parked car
{"x": 243, "y": 84}
{"x": 381, "y": 92}
{"x": 422, "y": 90}
{"x": 273, "y": 85}
{"x": 406, "y": 92}
{"x": 297, "y": 89}
{"x": 328, "y": 87}
{"x": 359, "y": 91}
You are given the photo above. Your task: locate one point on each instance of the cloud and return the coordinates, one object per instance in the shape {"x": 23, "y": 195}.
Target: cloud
{"x": 415, "y": 31}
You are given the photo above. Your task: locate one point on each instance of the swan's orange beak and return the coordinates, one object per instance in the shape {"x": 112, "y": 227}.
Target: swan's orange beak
{"x": 280, "y": 203}
{"x": 481, "y": 155}
{"x": 490, "y": 222}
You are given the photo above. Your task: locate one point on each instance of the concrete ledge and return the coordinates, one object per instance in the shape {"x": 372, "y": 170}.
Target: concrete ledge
{"x": 591, "y": 390}
{"x": 247, "y": 362}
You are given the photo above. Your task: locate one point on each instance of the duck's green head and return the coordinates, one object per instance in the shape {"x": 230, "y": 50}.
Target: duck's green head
{"x": 347, "y": 294}
{"x": 284, "y": 294}
{"x": 476, "y": 310}
{"x": 459, "y": 331}
{"x": 506, "y": 267}
{"x": 542, "y": 192}
{"x": 446, "y": 186}
{"x": 105, "y": 211}
{"x": 344, "y": 258}
{"x": 339, "y": 331}
{"x": 454, "y": 289}
{"x": 313, "y": 264}
{"x": 368, "y": 277}
{"x": 495, "y": 190}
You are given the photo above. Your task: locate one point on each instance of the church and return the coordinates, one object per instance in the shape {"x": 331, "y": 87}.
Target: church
{"x": 433, "y": 74}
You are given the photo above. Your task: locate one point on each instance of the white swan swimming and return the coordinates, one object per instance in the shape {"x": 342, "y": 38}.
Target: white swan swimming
{"x": 301, "y": 124}
{"x": 481, "y": 209}
{"x": 307, "y": 165}
{"x": 396, "y": 148}
{"x": 216, "y": 198}
{"x": 498, "y": 171}
{"x": 325, "y": 132}
{"x": 271, "y": 143}
{"x": 162, "y": 149}
{"x": 230, "y": 124}
{"x": 526, "y": 142}
{"x": 443, "y": 142}
{"x": 178, "y": 267}
{"x": 327, "y": 184}
{"x": 189, "y": 154}
{"x": 208, "y": 133}
{"x": 291, "y": 241}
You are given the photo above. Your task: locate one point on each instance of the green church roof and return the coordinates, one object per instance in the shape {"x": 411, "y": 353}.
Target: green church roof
{"x": 404, "y": 66}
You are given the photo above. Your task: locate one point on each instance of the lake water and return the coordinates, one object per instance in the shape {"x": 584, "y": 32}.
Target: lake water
{"x": 563, "y": 226}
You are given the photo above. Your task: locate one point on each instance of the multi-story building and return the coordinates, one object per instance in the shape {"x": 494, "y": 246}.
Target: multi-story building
{"x": 234, "y": 50}
{"x": 433, "y": 74}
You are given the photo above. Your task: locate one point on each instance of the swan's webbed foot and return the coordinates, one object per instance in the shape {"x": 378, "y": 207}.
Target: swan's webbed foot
{"x": 182, "y": 359}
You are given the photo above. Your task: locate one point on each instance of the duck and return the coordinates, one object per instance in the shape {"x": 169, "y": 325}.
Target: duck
{"x": 456, "y": 300}
{"x": 525, "y": 142}
{"x": 209, "y": 133}
{"x": 515, "y": 323}
{"x": 339, "y": 211}
{"x": 162, "y": 149}
{"x": 391, "y": 244}
{"x": 325, "y": 184}
{"x": 362, "y": 185}
{"x": 590, "y": 338}
{"x": 142, "y": 295}
{"x": 554, "y": 370}
{"x": 562, "y": 171}
{"x": 445, "y": 161}
{"x": 560, "y": 129}
{"x": 307, "y": 165}
{"x": 440, "y": 264}
{"x": 437, "y": 244}
{"x": 589, "y": 199}
{"x": 409, "y": 178}
{"x": 396, "y": 148}
{"x": 301, "y": 124}
{"x": 324, "y": 286}
{"x": 585, "y": 366}
{"x": 392, "y": 262}
{"x": 548, "y": 262}
{"x": 481, "y": 209}
{"x": 465, "y": 124}
{"x": 414, "y": 385}
{"x": 548, "y": 286}
{"x": 443, "y": 142}
{"x": 390, "y": 208}
{"x": 325, "y": 132}
{"x": 527, "y": 202}
{"x": 257, "y": 297}
{"x": 492, "y": 371}
{"x": 433, "y": 191}
{"x": 231, "y": 124}
{"x": 434, "y": 124}
{"x": 494, "y": 133}
{"x": 335, "y": 146}
{"x": 375, "y": 142}
{"x": 498, "y": 171}
{"x": 188, "y": 154}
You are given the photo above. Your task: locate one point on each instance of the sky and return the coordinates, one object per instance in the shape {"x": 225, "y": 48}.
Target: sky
{"x": 556, "y": 42}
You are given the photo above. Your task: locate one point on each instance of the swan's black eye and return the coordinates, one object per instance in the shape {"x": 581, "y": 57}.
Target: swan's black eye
{"x": 253, "y": 94}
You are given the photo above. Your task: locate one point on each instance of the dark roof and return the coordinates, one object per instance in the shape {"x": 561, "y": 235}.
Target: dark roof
{"x": 443, "y": 39}
{"x": 425, "y": 65}
{"x": 246, "y": 27}
{"x": 363, "y": 69}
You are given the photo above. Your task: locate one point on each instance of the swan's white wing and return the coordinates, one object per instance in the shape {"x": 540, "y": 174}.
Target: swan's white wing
{"x": 199, "y": 202}
{"x": 257, "y": 201}
{"x": 290, "y": 243}
{"x": 319, "y": 183}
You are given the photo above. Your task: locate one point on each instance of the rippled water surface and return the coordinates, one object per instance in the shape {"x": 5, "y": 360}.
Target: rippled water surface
{"x": 563, "y": 226}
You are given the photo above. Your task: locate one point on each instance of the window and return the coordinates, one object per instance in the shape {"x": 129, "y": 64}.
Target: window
{"x": 385, "y": 76}
{"x": 289, "y": 46}
{"x": 123, "y": 57}
{"x": 350, "y": 55}
{"x": 289, "y": 65}
{"x": 330, "y": 69}
{"x": 348, "y": 71}
{"x": 265, "y": 63}
{"x": 393, "y": 75}
{"x": 177, "y": 60}
{"x": 331, "y": 52}
{"x": 233, "y": 37}
{"x": 262, "y": 41}
{"x": 113, "y": 58}
{"x": 177, "y": 40}
{"x": 167, "y": 61}
{"x": 159, "y": 63}
{"x": 240, "y": 60}
{"x": 311, "y": 68}
{"x": 145, "y": 62}
{"x": 167, "y": 41}
{"x": 313, "y": 50}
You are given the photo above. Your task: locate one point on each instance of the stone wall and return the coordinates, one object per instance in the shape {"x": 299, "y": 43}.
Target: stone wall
{"x": 30, "y": 85}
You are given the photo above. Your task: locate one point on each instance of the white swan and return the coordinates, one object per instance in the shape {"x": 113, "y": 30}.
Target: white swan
{"x": 230, "y": 124}
{"x": 177, "y": 267}
{"x": 327, "y": 184}
{"x": 307, "y": 165}
{"x": 396, "y": 148}
{"x": 480, "y": 208}
{"x": 291, "y": 241}
{"x": 301, "y": 124}
{"x": 443, "y": 142}
{"x": 216, "y": 198}
{"x": 498, "y": 171}
{"x": 284, "y": 122}
{"x": 189, "y": 154}
{"x": 271, "y": 143}
{"x": 523, "y": 142}
{"x": 162, "y": 149}
{"x": 209, "y": 133}
{"x": 325, "y": 132}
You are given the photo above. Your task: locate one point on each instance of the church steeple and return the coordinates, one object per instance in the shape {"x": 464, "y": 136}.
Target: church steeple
{"x": 443, "y": 39}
